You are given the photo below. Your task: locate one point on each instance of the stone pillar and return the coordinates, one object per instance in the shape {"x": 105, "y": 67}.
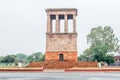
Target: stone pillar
{"x": 74, "y": 23}
{"x": 49, "y": 24}
{"x": 66, "y": 24}
{"x": 57, "y": 24}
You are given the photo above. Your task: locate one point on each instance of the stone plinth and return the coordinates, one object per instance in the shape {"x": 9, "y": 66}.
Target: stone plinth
{"x": 62, "y": 64}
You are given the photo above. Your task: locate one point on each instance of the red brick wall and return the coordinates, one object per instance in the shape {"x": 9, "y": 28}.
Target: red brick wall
{"x": 68, "y": 56}
{"x": 35, "y": 64}
{"x": 62, "y": 64}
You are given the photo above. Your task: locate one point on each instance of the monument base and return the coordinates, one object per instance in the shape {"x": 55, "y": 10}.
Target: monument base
{"x": 62, "y": 64}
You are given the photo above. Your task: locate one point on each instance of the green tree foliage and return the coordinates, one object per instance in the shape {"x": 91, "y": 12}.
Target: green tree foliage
{"x": 21, "y": 57}
{"x": 102, "y": 41}
{"x": 109, "y": 58}
{"x": 1, "y": 58}
{"x": 38, "y": 56}
{"x": 8, "y": 59}
{"x": 83, "y": 57}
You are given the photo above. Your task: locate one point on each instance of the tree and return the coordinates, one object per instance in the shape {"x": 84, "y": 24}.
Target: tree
{"x": 8, "y": 59}
{"x": 102, "y": 41}
{"x": 109, "y": 58}
{"x": 21, "y": 58}
{"x": 38, "y": 56}
{"x": 1, "y": 58}
{"x": 86, "y": 56}
{"x": 83, "y": 56}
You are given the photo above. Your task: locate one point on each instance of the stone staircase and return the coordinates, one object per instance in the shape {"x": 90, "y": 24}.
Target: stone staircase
{"x": 62, "y": 64}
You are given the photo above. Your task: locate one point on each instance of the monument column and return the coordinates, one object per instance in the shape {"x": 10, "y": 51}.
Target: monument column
{"x": 66, "y": 24}
{"x": 49, "y": 24}
{"x": 74, "y": 23}
{"x": 57, "y": 24}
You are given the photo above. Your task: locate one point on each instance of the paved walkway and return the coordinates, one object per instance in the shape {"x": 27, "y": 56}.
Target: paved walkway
{"x": 60, "y": 76}
{"x": 54, "y": 70}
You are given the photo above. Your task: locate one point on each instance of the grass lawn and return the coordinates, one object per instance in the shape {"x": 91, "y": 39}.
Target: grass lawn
{"x": 7, "y": 66}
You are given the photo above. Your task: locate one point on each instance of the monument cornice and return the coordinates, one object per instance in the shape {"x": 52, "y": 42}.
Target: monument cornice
{"x": 61, "y": 9}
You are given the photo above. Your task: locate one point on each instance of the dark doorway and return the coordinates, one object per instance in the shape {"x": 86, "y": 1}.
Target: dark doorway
{"x": 61, "y": 57}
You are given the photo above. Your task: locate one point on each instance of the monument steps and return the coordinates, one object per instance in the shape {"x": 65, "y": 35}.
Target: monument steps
{"x": 61, "y": 64}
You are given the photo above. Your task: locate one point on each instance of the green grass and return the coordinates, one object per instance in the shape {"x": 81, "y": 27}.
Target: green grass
{"x": 7, "y": 66}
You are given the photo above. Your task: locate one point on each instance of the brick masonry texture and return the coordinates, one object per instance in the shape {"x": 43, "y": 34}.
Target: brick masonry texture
{"x": 61, "y": 43}
{"x": 55, "y": 56}
{"x": 62, "y": 64}
{"x": 64, "y": 43}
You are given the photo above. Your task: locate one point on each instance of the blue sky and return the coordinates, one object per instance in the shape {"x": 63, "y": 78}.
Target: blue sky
{"x": 23, "y": 22}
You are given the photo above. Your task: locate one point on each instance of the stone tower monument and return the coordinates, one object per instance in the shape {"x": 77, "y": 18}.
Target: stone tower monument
{"x": 61, "y": 46}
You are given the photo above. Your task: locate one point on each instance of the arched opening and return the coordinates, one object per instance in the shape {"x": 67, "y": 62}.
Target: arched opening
{"x": 61, "y": 57}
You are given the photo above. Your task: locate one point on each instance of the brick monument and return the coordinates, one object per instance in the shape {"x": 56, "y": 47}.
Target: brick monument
{"x": 61, "y": 46}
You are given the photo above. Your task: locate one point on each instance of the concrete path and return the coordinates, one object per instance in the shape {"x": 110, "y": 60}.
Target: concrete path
{"x": 53, "y": 70}
{"x": 59, "y": 76}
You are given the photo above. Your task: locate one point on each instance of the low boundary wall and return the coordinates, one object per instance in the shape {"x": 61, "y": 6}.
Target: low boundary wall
{"x": 93, "y": 70}
{"x": 21, "y": 69}
{"x": 60, "y": 70}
